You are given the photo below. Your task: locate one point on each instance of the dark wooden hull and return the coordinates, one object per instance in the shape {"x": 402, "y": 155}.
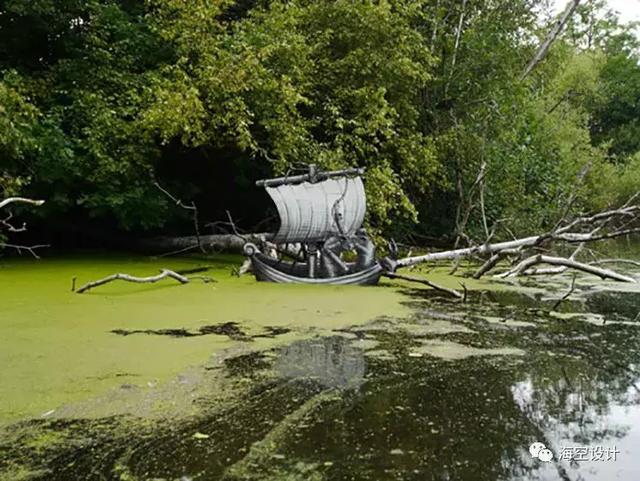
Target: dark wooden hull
{"x": 272, "y": 270}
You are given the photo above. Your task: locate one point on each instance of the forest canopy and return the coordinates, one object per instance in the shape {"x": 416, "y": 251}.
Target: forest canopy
{"x": 101, "y": 99}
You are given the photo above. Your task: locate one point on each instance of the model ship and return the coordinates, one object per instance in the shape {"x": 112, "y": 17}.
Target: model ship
{"x": 321, "y": 216}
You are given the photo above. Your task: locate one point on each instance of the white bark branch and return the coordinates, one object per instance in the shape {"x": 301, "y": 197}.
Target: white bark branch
{"x": 563, "y": 233}
{"x": 542, "y": 51}
{"x": 572, "y": 264}
{"x": 30, "y": 249}
{"x": 20, "y": 200}
{"x": 616, "y": 261}
{"x": 164, "y": 273}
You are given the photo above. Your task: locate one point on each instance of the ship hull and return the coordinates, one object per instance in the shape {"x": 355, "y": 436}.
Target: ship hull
{"x": 268, "y": 269}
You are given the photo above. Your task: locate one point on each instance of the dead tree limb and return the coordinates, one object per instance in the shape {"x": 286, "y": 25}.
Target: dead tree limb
{"x": 451, "y": 292}
{"x": 562, "y": 261}
{"x": 550, "y": 271}
{"x": 567, "y": 295}
{"x": 615, "y": 261}
{"x": 20, "y": 200}
{"x": 563, "y": 233}
{"x": 210, "y": 243}
{"x": 534, "y": 250}
{"x": 487, "y": 266}
{"x": 190, "y": 207}
{"x": 164, "y": 273}
{"x": 19, "y": 248}
{"x": 542, "y": 51}
{"x": 11, "y": 228}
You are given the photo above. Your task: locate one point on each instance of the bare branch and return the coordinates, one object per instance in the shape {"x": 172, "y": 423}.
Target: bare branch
{"x": 20, "y": 200}
{"x": 566, "y": 296}
{"x": 233, "y": 227}
{"x": 437, "y": 287}
{"x": 164, "y": 273}
{"x": 487, "y": 266}
{"x": 10, "y": 227}
{"x": 30, "y": 249}
{"x": 561, "y": 261}
{"x": 192, "y": 207}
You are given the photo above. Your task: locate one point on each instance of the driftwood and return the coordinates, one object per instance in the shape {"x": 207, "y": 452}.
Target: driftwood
{"x": 164, "y": 273}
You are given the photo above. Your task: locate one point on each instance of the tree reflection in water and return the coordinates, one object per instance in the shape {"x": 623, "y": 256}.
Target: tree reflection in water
{"x": 333, "y": 362}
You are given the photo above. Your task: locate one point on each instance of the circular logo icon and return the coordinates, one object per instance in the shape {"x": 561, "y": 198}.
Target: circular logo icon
{"x": 540, "y": 451}
{"x": 545, "y": 455}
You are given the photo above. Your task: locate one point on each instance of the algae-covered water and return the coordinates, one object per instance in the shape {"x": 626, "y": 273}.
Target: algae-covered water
{"x": 57, "y": 346}
{"x": 238, "y": 380}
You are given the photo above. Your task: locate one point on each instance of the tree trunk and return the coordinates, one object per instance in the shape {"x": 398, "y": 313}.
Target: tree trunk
{"x": 542, "y": 51}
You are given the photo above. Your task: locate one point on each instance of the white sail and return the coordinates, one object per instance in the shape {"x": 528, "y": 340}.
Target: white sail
{"x": 313, "y": 212}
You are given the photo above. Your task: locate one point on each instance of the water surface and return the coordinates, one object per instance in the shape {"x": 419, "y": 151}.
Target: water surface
{"x": 260, "y": 382}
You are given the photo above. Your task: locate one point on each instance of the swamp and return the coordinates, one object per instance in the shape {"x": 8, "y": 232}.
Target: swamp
{"x": 241, "y": 380}
{"x": 308, "y": 240}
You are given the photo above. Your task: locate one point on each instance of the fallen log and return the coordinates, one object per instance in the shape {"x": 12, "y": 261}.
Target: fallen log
{"x": 164, "y": 273}
{"x": 604, "y": 225}
{"x": 209, "y": 243}
{"x": 561, "y": 261}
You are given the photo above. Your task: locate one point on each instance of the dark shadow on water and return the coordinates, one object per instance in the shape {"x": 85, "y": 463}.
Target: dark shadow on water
{"x": 230, "y": 329}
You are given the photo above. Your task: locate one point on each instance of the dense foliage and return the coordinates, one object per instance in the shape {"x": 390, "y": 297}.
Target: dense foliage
{"x": 100, "y": 98}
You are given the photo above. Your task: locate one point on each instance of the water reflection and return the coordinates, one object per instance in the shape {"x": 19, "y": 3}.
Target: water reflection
{"x": 331, "y": 361}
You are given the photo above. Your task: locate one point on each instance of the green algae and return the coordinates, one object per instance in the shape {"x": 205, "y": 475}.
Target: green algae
{"x": 444, "y": 394}
{"x": 440, "y": 390}
{"x": 57, "y": 347}
{"x": 449, "y": 350}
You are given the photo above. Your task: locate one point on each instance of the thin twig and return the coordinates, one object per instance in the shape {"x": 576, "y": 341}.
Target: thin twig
{"x": 10, "y": 227}
{"x": 190, "y": 207}
{"x": 566, "y": 296}
{"x": 233, "y": 227}
{"x": 30, "y": 249}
